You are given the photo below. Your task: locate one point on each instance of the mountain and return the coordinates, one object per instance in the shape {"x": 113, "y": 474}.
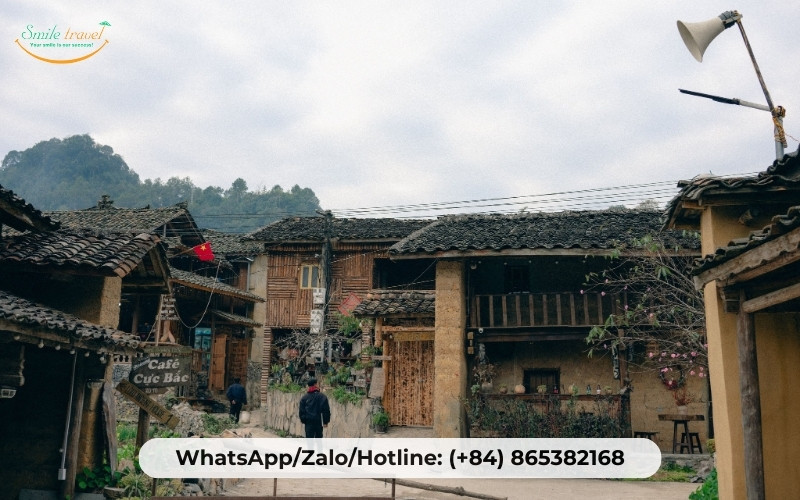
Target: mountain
{"x": 75, "y": 172}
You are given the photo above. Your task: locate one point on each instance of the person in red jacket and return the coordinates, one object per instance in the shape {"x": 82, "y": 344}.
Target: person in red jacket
{"x": 315, "y": 412}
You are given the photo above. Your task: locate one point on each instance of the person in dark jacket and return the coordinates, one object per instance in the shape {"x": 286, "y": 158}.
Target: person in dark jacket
{"x": 315, "y": 412}
{"x": 237, "y": 395}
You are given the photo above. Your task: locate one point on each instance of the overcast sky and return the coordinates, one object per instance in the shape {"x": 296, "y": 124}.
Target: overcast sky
{"x": 377, "y": 103}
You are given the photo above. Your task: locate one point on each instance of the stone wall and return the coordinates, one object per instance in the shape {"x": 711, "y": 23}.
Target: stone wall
{"x": 347, "y": 420}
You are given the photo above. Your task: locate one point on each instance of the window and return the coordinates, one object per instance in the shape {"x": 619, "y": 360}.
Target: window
{"x": 309, "y": 276}
{"x": 547, "y": 377}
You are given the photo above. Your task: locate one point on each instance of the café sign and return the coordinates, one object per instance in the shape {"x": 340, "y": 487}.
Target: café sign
{"x": 160, "y": 371}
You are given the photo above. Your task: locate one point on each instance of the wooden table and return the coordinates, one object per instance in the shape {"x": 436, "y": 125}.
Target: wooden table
{"x": 679, "y": 419}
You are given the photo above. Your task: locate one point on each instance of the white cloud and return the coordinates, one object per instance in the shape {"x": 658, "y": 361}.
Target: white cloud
{"x": 384, "y": 103}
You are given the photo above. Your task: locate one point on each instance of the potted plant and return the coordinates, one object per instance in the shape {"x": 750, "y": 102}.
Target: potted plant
{"x": 484, "y": 374}
{"x": 541, "y": 389}
{"x": 682, "y": 399}
{"x": 381, "y": 421}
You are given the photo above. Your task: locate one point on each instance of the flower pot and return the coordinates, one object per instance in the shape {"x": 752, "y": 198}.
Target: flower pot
{"x": 503, "y": 389}
{"x": 683, "y": 410}
{"x": 519, "y": 389}
{"x": 486, "y": 387}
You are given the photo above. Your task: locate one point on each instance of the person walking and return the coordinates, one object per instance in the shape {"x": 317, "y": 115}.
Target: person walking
{"x": 237, "y": 395}
{"x": 315, "y": 412}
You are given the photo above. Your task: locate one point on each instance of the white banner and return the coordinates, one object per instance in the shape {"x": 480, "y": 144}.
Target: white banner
{"x": 399, "y": 458}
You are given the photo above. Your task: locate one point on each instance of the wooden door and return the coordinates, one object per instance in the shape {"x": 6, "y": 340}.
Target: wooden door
{"x": 408, "y": 396}
{"x": 237, "y": 360}
{"x": 216, "y": 377}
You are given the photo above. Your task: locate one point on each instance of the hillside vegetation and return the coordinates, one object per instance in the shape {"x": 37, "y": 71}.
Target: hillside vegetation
{"x": 73, "y": 173}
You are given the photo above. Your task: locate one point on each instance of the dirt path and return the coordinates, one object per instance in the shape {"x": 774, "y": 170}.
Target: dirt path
{"x": 513, "y": 489}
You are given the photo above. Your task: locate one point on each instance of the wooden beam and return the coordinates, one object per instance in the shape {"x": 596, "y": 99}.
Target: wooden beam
{"x": 751, "y": 403}
{"x": 393, "y": 329}
{"x": 558, "y": 308}
{"x": 771, "y": 299}
{"x": 76, "y": 416}
{"x": 531, "y": 308}
{"x": 754, "y": 263}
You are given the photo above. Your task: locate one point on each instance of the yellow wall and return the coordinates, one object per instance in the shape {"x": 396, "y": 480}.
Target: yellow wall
{"x": 718, "y": 227}
{"x": 449, "y": 351}
{"x": 649, "y": 397}
{"x": 778, "y": 347}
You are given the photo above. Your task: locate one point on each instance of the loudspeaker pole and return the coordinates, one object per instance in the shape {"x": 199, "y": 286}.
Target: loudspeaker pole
{"x": 777, "y": 113}
{"x": 697, "y": 37}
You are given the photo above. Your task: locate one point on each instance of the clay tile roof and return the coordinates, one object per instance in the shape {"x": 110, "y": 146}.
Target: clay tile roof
{"x": 780, "y": 225}
{"x": 604, "y": 230}
{"x": 231, "y": 244}
{"x": 389, "y": 302}
{"x": 134, "y": 220}
{"x": 21, "y": 215}
{"x": 88, "y": 252}
{"x": 235, "y": 318}
{"x": 781, "y": 175}
{"x": 28, "y": 314}
{"x": 313, "y": 229}
{"x": 166, "y": 222}
{"x": 198, "y": 282}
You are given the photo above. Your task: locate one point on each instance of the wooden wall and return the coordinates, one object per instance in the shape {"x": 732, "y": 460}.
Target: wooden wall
{"x": 289, "y": 306}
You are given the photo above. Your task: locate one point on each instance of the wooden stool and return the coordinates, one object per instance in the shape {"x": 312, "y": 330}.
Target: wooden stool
{"x": 645, "y": 434}
{"x": 692, "y": 443}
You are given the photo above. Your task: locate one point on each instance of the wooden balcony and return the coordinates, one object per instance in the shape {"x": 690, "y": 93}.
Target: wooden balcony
{"x": 543, "y": 311}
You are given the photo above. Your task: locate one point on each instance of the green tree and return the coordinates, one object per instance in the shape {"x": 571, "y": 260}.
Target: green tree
{"x": 74, "y": 173}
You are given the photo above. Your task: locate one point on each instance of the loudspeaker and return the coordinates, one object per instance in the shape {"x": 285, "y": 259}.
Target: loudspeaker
{"x": 697, "y": 36}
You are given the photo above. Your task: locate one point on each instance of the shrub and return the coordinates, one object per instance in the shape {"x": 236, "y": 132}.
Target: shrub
{"x": 514, "y": 418}
{"x": 341, "y": 395}
{"x": 214, "y": 425}
{"x": 380, "y": 419}
{"x": 709, "y": 490}
{"x": 126, "y": 432}
{"x": 96, "y": 479}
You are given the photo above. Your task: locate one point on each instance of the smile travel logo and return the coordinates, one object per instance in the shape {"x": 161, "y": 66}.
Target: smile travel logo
{"x": 57, "y": 46}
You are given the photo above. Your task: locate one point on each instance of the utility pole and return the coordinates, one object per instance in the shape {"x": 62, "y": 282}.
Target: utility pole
{"x": 326, "y": 270}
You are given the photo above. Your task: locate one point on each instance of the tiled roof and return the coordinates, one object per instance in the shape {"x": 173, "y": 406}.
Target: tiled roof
{"x": 174, "y": 221}
{"x": 780, "y": 176}
{"x": 21, "y": 215}
{"x": 235, "y": 318}
{"x": 780, "y": 225}
{"x": 231, "y": 244}
{"x": 585, "y": 230}
{"x": 406, "y": 302}
{"x": 313, "y": 229}
{"x": 89, "y": 252}
{"x": 199, "y": 282}
{"x": 134, "y": 220}
{"x": 26, "y": 313}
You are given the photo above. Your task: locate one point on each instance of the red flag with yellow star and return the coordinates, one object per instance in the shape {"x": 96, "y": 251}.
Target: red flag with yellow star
{"x": 204, "y": 252}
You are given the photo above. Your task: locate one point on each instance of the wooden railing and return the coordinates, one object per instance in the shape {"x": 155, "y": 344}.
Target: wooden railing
{"x": 544, "y": 309}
